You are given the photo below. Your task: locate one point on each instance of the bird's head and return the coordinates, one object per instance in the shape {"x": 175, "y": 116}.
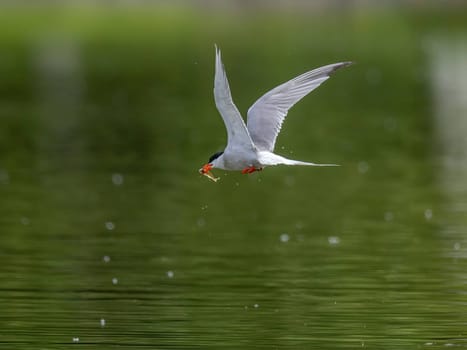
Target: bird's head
{"x": 206, "y": 168}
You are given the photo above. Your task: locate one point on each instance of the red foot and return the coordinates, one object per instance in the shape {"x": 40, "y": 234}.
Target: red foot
{"x": 250, "y": 170}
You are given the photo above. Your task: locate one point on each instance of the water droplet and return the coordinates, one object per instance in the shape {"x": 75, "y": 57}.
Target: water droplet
{"x": 390, "y": 124}
{"x": 333, "y": 240}
{"x": 256, "y": 306}
{"x": 201, "y": 222}
{"x": 388, "y": 216}
{"x": 25, "y": 221}
{"x": 373, "y": 76}
{"x": 363, "y": 167}
{"x": 170, "y": 274}
{"x": 457, "y": 246}
{"x": 109, "y": 225}
{"x": 102, "y": 322}
{"x": 284, "y": 237}
{"x": 428, "y": 214}
{"x": 117, "y": 179}
{"x": 106, "y": 258}
{"x": 115, "y": 280}
{"x": 289, "y": 181}
{"x": 4, "y": 177}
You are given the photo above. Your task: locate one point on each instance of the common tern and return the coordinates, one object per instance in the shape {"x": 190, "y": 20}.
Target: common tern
{"x": 250, "y": 146}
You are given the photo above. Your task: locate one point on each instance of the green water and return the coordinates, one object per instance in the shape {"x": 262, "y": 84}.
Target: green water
{"x": 109, "y": 238}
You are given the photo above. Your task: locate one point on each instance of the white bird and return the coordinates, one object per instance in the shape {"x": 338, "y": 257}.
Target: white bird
{"x": 250, "y": 147}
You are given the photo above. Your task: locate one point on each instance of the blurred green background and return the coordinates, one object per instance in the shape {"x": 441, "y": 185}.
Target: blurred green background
{"x": 110, "y": 237}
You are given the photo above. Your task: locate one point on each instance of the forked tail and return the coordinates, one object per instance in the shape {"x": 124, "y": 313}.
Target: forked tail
{"x": 269, "y": 158}
{"x": 298, "y": 162}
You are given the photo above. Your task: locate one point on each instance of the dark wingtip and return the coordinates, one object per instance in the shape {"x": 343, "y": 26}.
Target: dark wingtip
{"x": 345, "y": 64}
{"x": 341, "y": 65}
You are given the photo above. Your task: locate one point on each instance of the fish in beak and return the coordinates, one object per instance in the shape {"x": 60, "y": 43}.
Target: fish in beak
{"x": 206, "y": 171}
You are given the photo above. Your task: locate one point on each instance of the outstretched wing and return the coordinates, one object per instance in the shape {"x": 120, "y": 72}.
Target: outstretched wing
{"x": 266, "y": 115}
{"x": 237, "y": 132}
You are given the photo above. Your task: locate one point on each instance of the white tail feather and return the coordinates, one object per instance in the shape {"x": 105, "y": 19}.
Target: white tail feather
{"x": 268, "y": 158}
{"x": 297, "y": 162}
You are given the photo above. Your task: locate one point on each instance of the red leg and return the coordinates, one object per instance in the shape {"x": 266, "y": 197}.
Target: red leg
{"x": 247, "y": 170}
{"x": 250, "y": 169}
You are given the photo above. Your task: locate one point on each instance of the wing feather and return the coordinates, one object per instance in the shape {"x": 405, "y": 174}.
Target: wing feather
{"x": 237, "y": 132}
{"x": 266, "y": 115}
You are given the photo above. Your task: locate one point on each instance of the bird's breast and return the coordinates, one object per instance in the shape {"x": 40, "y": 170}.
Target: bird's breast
{"x": 240, "y": 159}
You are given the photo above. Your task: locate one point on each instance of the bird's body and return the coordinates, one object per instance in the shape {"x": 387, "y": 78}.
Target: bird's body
{"x": 239, "y": 160}
{"x": 250, "y": 146}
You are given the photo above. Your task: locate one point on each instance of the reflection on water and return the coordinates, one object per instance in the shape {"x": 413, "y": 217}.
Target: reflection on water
{"x": 110, "y": 238}
{"x": 448, "y": 58}
{"x": 59, "y": 84}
